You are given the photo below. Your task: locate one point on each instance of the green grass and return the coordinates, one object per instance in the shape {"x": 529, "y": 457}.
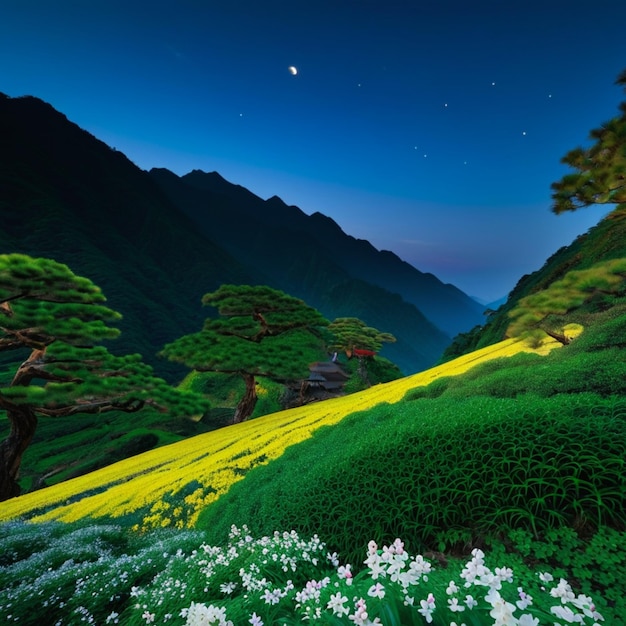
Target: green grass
{"x": 434, "y": 471}
{"x": 529, "y": 444}
{"x": 67, "y": 447}
{"x": 524, "y": 457}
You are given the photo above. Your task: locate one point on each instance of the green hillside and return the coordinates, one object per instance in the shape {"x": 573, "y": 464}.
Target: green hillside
{"x": 487, "y": 490}
{"x": 522, "y": 456}
{"x": 603, "y": 242}
{"x": 313, "y": 259}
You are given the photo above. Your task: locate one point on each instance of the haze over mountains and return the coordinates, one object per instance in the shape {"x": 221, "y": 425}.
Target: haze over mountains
{"x": 156, "y": 242}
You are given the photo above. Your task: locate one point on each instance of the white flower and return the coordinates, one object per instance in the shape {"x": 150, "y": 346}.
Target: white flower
{"x": 228, "y": 587}
{"x": 149, "y": 617}
{"x": 376, "y": 591}
{"x": 376, "y": 568}
{"x": 528, "y": 620}
{"x": 452, "y": 588}
{"x": 398, "y": 546}
{"x": 345, "y": 573}
{"x": 420, "y": 566}
{"x": 427, "y": 608}
{"x": 337, "y": 604}
{"x": 470, "y": 602}
{"x": 586, "y": 604}
{"x": 271, "y": 597}
{"x": 478, "y": 554}
{"x": 545, "y": 577}
{"x": 454, "y": 606}
{"x": 505, "y": 574}
{"x": 563, "y": 591}
{"x": 475, "y": 569}
{"x": 564, "y": 612}
{"x": 524, "y": 601}
{"x": 502, "y": 611}
{"x": 199, "y": 613}
{"x": 360, "y": 614}
{"x": 255, "y": 620}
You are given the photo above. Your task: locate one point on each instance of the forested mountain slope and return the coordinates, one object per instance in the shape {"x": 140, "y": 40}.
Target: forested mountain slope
{"x": 603, "y": 242}
{"x": 68, "y": 196}
{"x": 249, "y": 227}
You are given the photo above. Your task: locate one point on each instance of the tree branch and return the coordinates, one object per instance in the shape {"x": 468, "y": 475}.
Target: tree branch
{"x": 94, "y": 406}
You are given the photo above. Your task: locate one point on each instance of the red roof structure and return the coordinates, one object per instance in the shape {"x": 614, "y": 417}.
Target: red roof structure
{"x": 358, "y": 352}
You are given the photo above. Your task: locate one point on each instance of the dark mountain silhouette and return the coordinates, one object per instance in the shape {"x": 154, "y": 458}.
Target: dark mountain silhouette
{"x": 445, "y": 305}
{"x": 156, "y": 242}
{"x": 284, "y": 243}
{"x": 67, "y": 196}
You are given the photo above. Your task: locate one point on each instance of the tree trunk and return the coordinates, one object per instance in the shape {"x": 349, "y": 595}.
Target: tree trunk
{"x": 561, "y": 338}
{"x": 23, "y": 425}
{"x": 247, "y": 403}
{"x": 362, "y": 371}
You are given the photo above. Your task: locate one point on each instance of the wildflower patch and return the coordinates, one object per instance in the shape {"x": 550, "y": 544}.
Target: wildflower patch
{"x": 217, "y": 459}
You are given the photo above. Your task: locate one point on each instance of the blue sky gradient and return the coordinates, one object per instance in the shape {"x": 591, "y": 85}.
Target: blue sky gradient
{"x": 432, "y": 129}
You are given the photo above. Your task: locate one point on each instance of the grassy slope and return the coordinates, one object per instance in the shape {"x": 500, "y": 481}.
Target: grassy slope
{"x": 204, "y": 467}
{"x": 524, "y": 454}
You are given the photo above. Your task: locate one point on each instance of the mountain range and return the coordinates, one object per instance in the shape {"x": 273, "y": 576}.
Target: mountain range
{"x": 155, "y": 242}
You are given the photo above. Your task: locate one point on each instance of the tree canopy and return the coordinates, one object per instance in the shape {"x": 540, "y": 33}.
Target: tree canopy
{"x": 539, "y": 314}
{"x": 600, "y": 176}
{"x": 50, "y": 323}
{"x": 260, "y": 332}
{"x": 351, "y": 333}
{"x": 354, "y": 337}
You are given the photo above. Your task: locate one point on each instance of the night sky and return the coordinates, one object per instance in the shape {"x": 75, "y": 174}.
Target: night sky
{"x": 432, "y": 129}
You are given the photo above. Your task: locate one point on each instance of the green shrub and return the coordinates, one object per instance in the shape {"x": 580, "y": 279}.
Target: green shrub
{"x": 102, "y": 574}
{"x": 435, "y": 471}
{"x": 595, "y": 365}
{"x": 595, "y": 564}
{"x": 433, "y": 390}
{"x": 78, "y": 573}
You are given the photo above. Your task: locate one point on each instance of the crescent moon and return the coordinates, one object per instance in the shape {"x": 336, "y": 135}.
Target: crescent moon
{"x": 293, "y": 70}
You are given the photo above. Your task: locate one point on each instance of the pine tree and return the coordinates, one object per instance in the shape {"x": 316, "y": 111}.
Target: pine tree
{"x": 260, "y": 332}
{"x": 600, "y": 176}
{"x": 50, "y": 324}
{"x": 541, "y": 313}
{"x": 352, "y": 336}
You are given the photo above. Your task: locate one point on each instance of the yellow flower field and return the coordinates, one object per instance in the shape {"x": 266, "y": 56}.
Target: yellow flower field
{"x": 212, "y": 462}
